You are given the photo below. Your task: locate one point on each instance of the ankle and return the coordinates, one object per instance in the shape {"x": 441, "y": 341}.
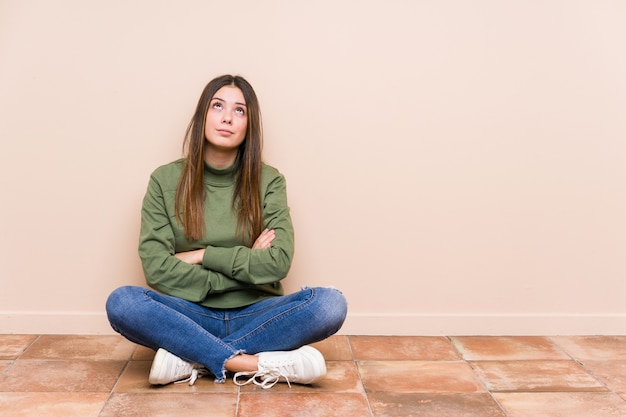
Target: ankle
{"x": 242, "y": 363}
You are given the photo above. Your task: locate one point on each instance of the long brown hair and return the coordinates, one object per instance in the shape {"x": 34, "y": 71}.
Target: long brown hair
{"x": 190, "y": 193}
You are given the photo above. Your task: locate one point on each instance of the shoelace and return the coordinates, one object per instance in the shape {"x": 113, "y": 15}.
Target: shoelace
{"x": 268, "y": 380}
{"x": 195, "y": 374}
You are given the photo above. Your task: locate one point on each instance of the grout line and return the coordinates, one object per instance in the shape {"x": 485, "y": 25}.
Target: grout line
{"x": 14, "y": 360}
{"x": 483, "y": 383}
{"x": 117, "y": 381}
{"x": 119, "y": 377}
{"x": 449, "y": 339}
{"x": 29, "y": 346}
{"x": 350, "y": 347}
{"x": 39, "y": 336}
{"x": 582, "y": 365}
{"x": 598, "y": 379}
{"x": 358, "y": 372}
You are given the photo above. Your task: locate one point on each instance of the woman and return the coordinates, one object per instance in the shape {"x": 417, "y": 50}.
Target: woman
{"x": 216, "y": 240}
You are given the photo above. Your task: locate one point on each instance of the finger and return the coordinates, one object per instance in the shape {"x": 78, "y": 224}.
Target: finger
{"x": 265, "y": 239}
{"x": 269, "y": 237}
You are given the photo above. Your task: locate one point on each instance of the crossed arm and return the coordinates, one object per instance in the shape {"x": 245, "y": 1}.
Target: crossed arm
{"x": 195, "y": 257}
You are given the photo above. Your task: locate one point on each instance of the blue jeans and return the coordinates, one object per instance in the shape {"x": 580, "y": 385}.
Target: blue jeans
{"x": 212, "y": 336}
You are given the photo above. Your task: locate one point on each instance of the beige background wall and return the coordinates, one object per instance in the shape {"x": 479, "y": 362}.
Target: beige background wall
{"x": 455, "y": 167}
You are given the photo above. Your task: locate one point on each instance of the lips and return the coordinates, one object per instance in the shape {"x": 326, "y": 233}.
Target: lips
{"x": 225, "y": 132}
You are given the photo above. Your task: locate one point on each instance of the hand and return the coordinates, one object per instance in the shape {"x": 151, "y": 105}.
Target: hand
{"x": 264, "y": 240}
{"x": 193, "y": 257}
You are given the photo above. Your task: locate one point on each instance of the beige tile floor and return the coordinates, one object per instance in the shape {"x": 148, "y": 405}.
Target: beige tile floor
{"x": 105, "y": 376}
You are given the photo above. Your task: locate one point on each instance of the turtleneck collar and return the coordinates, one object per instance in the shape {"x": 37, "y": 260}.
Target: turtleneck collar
{"x": 219, "y": 176}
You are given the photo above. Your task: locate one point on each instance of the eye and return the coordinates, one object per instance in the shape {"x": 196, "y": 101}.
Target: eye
{"x": 240, "y": 110}
{"x": 217, "y": 105}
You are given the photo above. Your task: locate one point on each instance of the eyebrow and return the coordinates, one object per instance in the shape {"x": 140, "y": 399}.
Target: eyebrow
{"x": 224, "y": 101}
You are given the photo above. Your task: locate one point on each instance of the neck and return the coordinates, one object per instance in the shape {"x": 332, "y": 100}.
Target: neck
{"x": 218, "y": 159}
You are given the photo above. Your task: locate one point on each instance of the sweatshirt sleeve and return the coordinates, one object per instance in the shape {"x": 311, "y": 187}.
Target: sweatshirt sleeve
{"x": 260, "y": 266}
{"x": 163, "y": 271}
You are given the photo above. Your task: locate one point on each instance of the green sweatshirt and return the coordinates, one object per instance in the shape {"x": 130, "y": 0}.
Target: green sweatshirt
{"x": 232, "y": 274}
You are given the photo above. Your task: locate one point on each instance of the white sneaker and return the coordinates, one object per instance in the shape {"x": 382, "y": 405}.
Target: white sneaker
{"x": 301, "y": 366}
{"x": 167, "y": 368}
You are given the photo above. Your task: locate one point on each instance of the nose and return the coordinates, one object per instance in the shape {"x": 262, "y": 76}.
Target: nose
{"x": 227, "y": 118}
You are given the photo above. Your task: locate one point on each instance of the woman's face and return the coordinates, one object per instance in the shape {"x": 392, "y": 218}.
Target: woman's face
{"x": 226, "y": 123}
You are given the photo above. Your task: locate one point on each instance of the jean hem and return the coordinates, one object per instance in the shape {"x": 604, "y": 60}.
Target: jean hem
{"x": 222, "y": 379}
